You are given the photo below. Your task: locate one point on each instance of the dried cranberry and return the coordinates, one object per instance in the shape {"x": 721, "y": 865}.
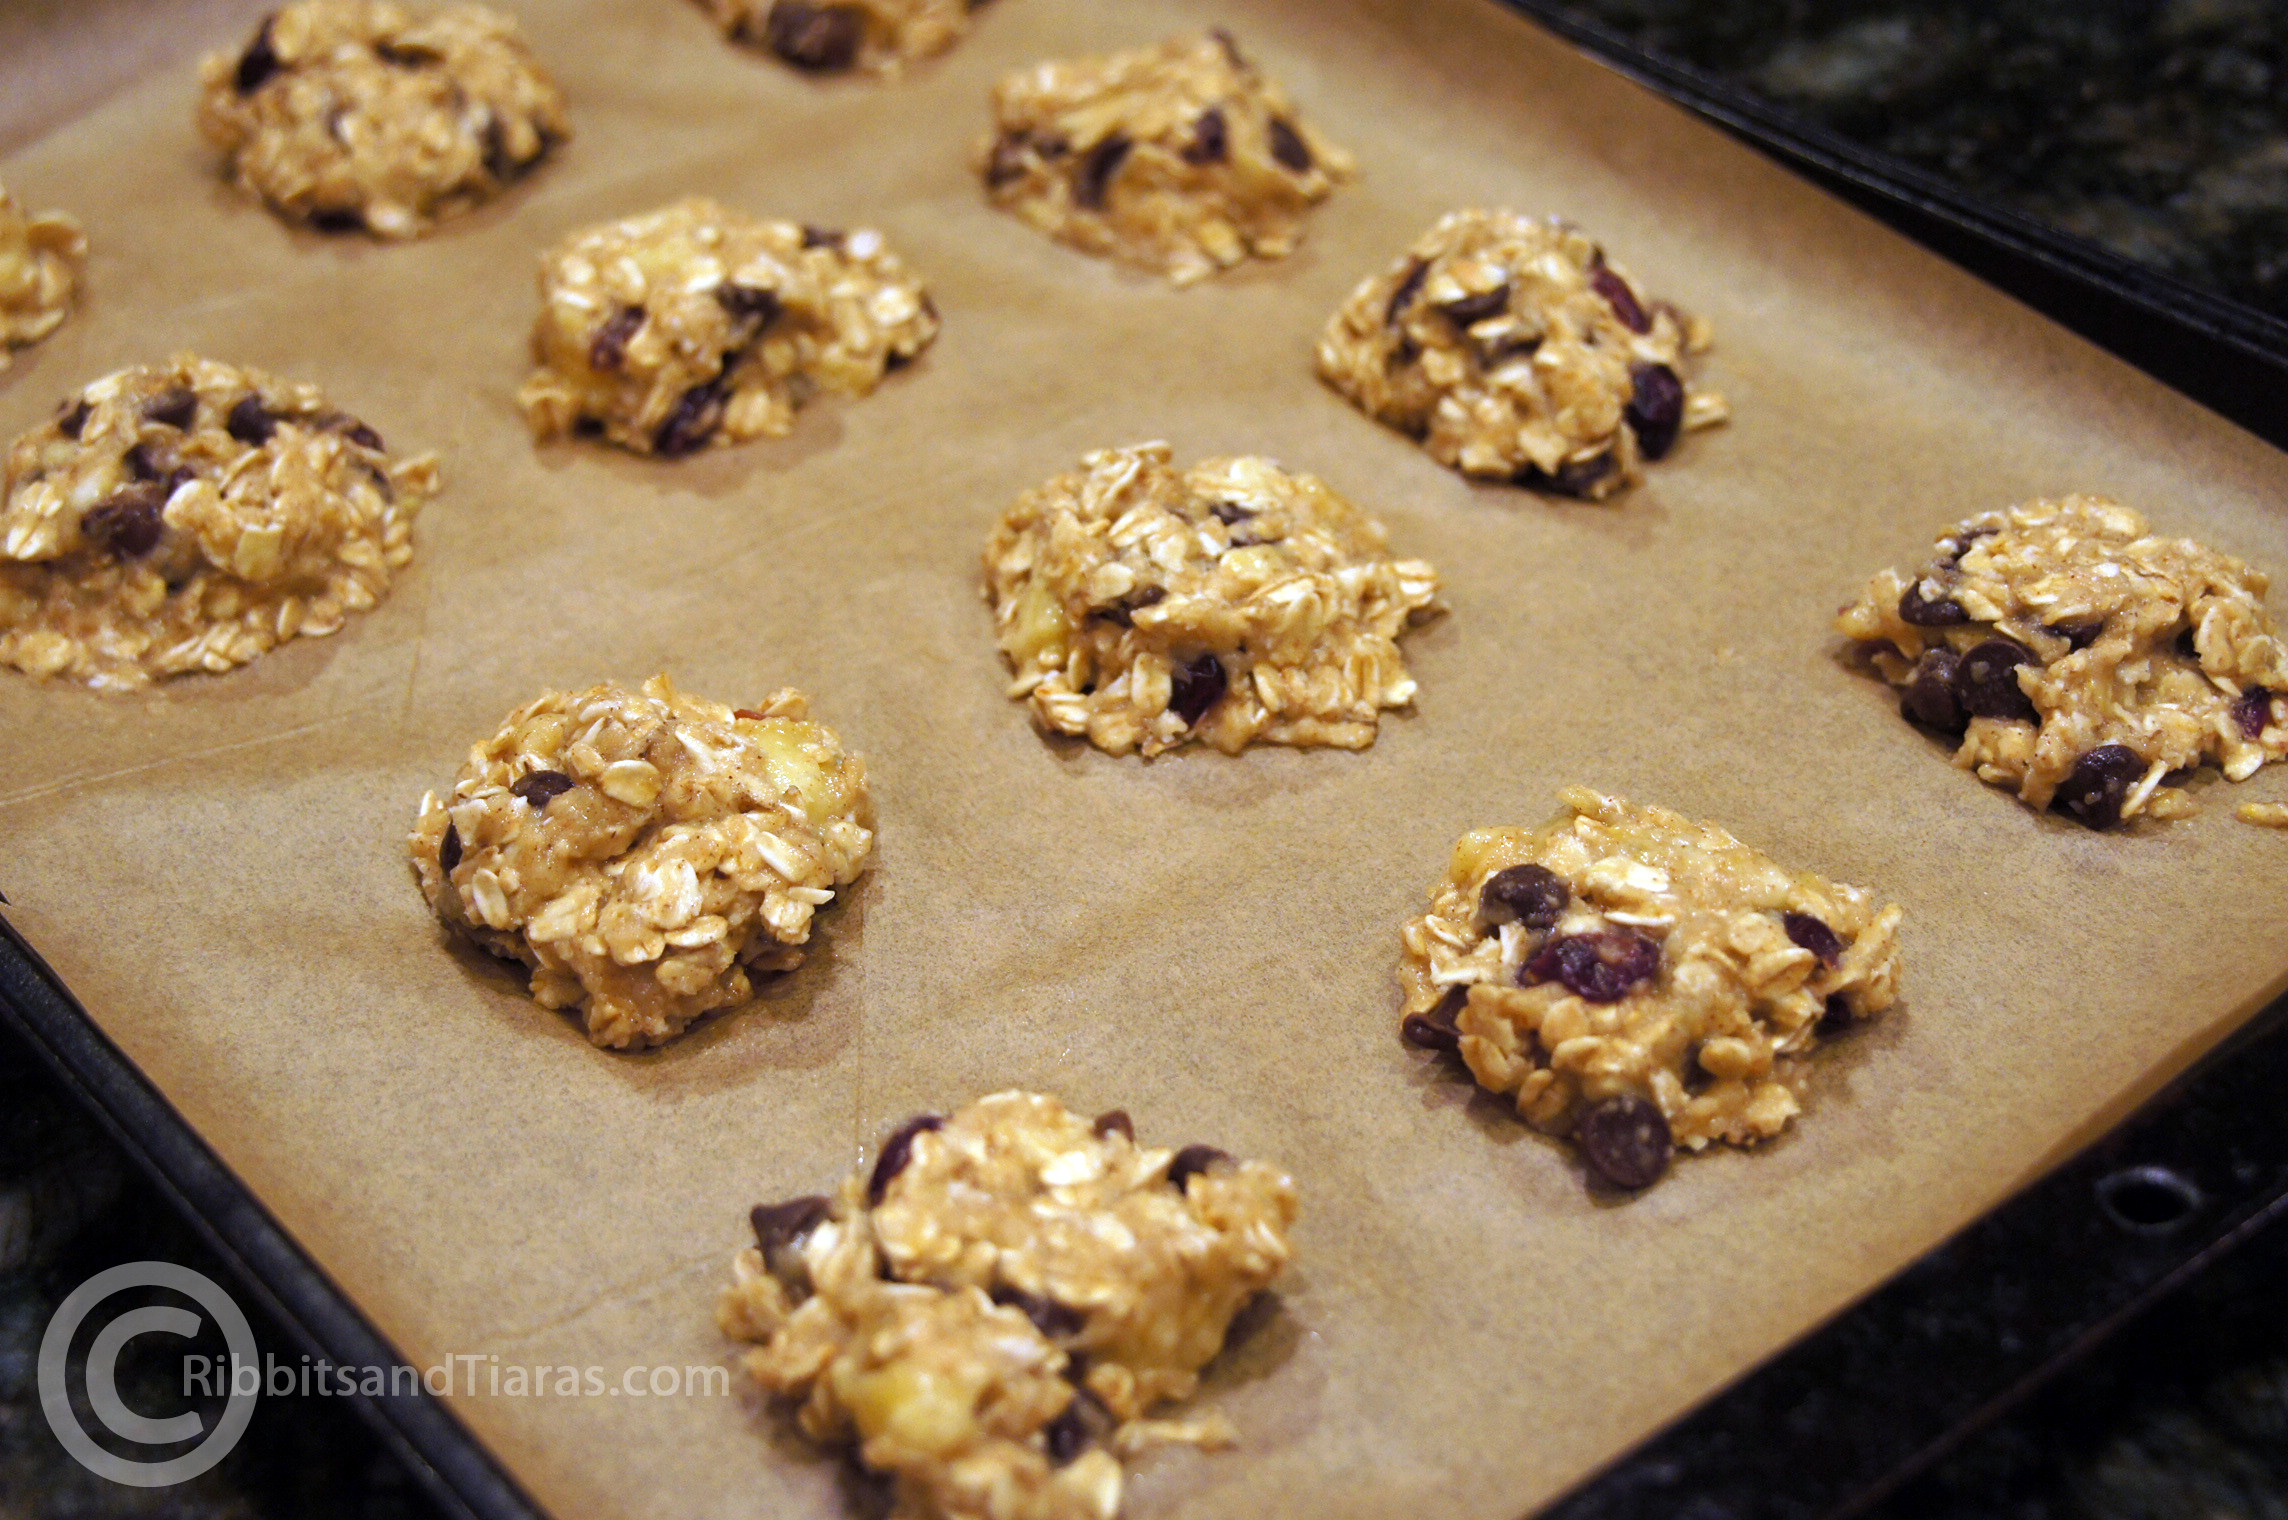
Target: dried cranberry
{"x": 695, "y": 418}
{"x": 897, "y": 1151}
{"x": 1092, "y": 178}
{"x": 1211, "y": 139}
{"x": 541, "y": 788}
{"x": 1052, "y": 1319}
{"x": 1476, "y": 308}
{"x": 1919, "y": 611}
{"x": 1986, "y": 682}
{"x": 1196, "y": 688}
{"x": 1813, "y": 934}
{"x": 173, "y": 408}
{"x": 1623, "y": 300}
{"x": 1114, "y": 1121}
{"x": 1656, "y": 408}
{"x": 1288, "y": 147}
{"x": 1601, "y": 965}
{"x": 126, "y": 524}
{"x": 608, "y": 350}
{"x": 1625, "y": 1139}
{"x": 748, "y": 303}
{"x": 1404, "y": 295}
{"x": 1191, "y": 1161}
{"x": 449, "y": 849}
{"x": 1929, "y": 695}
{"x": 821, "y": 38}
{"x": 258, "y": 62}
{"x": 2095, "y": 788}
{"x": 250, "y": 422}
{"x": 2253, "y": 712}
{"x": 1533, "y": 895}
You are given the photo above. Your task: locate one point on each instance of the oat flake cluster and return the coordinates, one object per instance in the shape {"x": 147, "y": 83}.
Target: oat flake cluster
{"x": 694, "y": 326}
{"x": 645, "y": 853}
{"x": 1182, "y": 158}
{"x": 191, "y": 516}
{"x": 991, "y": 1313}
{"x": 1142, "y": 606}
{"x": 40, "y": 263}
{"x": 2081, "y": 658}
{"x": 838, "y": 36}
{"x": 1514, "y": 351}
{"x": 368, "y": 115}
{"x": 1638, "y": 980}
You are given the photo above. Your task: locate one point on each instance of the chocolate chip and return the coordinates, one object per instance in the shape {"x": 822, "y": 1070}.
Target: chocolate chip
{"x": 1656, "y": 409}
{"x": 501, "y": 164}
{"x": 1955, "y": 545}
{"x": 1230, "y": 46}
{"x": 1288, "y": 147}
{"x": 1486, "y": 303}
{"x": 541, "y": 788}
{"x": 587, "y": 427}
{"x": 749, "y": 303}
{"x": 693, "y": 422}
{"x": 174, "y": 408}
{"x": 1197, "y": 687}
{"x": 1007, "y": 161}
{"x": 1052, "y": 1319}
{"x": 1623, "y": 300}
{"x": 361, "y": 435}
{"x": 1814, "y": 935}
{"x": 1085, "y": 1422}
{"x": 2253, "y": 712}
{"x": 258, "y": 62}
{"x": 250, "y": 422}
{"x": 74, "y": 422}
{"x": 1986, "y": 682}
{"x": 608, "y": 350}
{"x": 1835, "y": 1015}
{"x": 1404, "y": 295}
{"x": 1533, "y": 895}
{"x": 1122, "y": 611}
{"x": 143, "y": 462}
{"x": 1601, "y": 965}
{"x": 1919, "y": 611}
{"x": 779, "y": 1232}
{"x": 896, "y": 1152}
{"x": 1437, "y": 1029}
{"x": 1575, "y": 477}
{"x": 1093, "y": 177}
{"x": 2094, "y": 789}
{"x": 2078, "y": 635}
{"x": 1192, "y": 1160}
{"x": 821, "y": 237}
{"x": 822, "y": 38}
{"x": 407, "y": 55}
{"x": 126, "y": 524}
{"x": 1211, "y": 139}
{"x": 1929, "y": 696}
{"x": 1114, "y": 1121}
{"x": 449, "y": 850}
{"x": 1625, "y": 1139}
{"x": 338, "y": 219}
{"x": 2187, "y": 641}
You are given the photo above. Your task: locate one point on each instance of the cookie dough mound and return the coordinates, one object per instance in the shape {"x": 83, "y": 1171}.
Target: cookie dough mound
{"x": 1145, "y": 606}
{"x": 1182, "y": 158}
{"x": 1514, "y": 351}
{"x": 40, "y": 260}
{"x": 991, "y": 1311}
{"x": 645, "y": 853}
{"x": 192, "y": 516}
{"x": 2081, "y": 658}
{"x": 694, "y": 326}
{"x": 363, "y": 114}
{"x": 840, "y": 36}
{"x": 1639, "y": 981}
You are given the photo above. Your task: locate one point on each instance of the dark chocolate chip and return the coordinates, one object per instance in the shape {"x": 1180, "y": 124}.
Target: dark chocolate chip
{"x": 1052, "y": 1319}
{"x": 896, "y": 1152}
{"x": 1228, "y": 512}
{"x": 1211, "y": 139}
{"x": 1123, "y": 611}
{"x": 1986, "y": 682}
{"x": 500, "y": 163}
{"x": 587, "y": 427}
{"x": 693, "y": 421}
{"x": 2188, "y": 644}
{"x": 258, "y": 62}
{"x": 1602, "y": 965}
{"x": 541, "y": 788}
{"x": 2094, "y": 789}
{"x": 1625, "y": 1139}
{"x": 449, "y": 849}
{"x": 1230, "y": 46}
{"x": 1093, "y": 176}
{"x": 1929, "y": 695}
{"x": 1919, "y": 611}
{"x": 126, "y": 524}
{"x": 779, "y": 1232}
{"x": 173, "y": 409}
{"x": 1437, "y": 1029}
{"x": 361, "y": 435}
{"x": 1814, "y": 935}
{"x": 1835, "y": 1015}
{"x": 1192, "y": 1160}
{"x": 74, "y": 422}
{"x": 749, "y": 303}
{"x": 1007, "y": 161}
{"x": 1288, "y": 147}
{"x": 1533, "y": 895}
{"x": 1195, "y": 688}
{"x": 2078, "y": 635}
{"x": 1955, "y": 545}
{"x": 1404, "y": 295}
{"x": 1623, "y": 300}
{"x": 821, "y": 237}
{"x": 407, "y": 55}
{"x": 1085, "y": 1422}
{"x": 1486, "y": 303}
{"x": 1575, "y": 477}
{"x": 608, "y": 350}
{"x": 1114, "y": 1121}
{"x": 143, "y": 462}
{"x": 338, "y": 219}
{"x": 1656, "y": 409}
{"x": 2253, "y": 712}
{"x": 822, "y": 38}
{"x": 250, "y": 422}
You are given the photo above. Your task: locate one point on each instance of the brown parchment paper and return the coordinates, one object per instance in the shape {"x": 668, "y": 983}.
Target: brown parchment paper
{"x": 217, "y": 868}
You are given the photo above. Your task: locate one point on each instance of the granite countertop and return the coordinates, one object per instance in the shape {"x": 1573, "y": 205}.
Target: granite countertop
{"x": 2156, "y": 127}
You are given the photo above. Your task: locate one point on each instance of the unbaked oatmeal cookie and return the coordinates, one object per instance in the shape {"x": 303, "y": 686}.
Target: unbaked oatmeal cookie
{"x": 2081, "y": 658}
{"x": 693, "y": 326}
{"x": 839, "y": 36}
{"x": 992, "y": 1311}
{"x": 1142, "y": 606}
{"x": 40, "y": 262}
{"x": 365, "y": 115}
{"x": 190, "y": 516}
{"x": 1514, "y": 351}
{"x": 1639, "y": 981}
{"x": 646, "y": 853}
{"x": 1182, "y": 158}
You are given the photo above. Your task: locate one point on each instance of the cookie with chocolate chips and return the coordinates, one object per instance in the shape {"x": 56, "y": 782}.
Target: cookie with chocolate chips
{"x": 846, "y": 36}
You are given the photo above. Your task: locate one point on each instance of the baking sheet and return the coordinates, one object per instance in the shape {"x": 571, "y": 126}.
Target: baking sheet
{"x": 217, "y": 868}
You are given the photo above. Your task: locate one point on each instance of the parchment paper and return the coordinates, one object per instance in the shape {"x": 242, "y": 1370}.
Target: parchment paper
{"x": 217, "y": 868}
